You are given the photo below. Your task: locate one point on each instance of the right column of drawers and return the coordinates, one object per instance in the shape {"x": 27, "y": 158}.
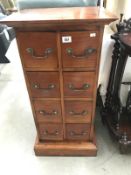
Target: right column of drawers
{"x": 79, "y": 61}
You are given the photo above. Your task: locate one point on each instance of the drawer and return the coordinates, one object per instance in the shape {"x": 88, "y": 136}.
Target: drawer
{"x": 51, "y": 131}
{"x": 78, "y": 111}
{"x": 80, "y": 50}
{"x": 44, "y": 84}
{"x": 47, "y": 110}
{"x": 38, "y": 49}
{"x": 79, "y": 84}
{"x": 77, "y": 131}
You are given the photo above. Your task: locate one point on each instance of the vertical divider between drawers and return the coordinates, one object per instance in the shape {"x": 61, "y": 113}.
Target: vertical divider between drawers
{"x": 61, "y": 80}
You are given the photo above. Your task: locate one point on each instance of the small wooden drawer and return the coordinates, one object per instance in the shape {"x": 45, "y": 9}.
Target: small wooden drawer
{"x": 79, "y": 49}
{"x": 48, "y": 111}
{"x": 44, "y": 84}
{"x": 79, "y": 84}
{"x": 77, "y": 131}
{"x": 78, "y": 111}
{"x": 51, "y": 131}
{"x": 38, "y": 49}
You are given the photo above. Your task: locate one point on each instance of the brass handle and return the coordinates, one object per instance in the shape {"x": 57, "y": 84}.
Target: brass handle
{"x": 43, "y": 112}
{"x": 83, "y": 113}
{"x": 86, "y": 54}
{"x": 50, "y": 87}
{"x": 51, "y": 134}
{"x": 83, "y": 88}
{"x": 47, "y": 52}
{"x": 72, "y": 133}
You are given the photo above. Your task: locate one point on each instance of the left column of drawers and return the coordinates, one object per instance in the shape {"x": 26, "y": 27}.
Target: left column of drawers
{"x": 39, "y": 56}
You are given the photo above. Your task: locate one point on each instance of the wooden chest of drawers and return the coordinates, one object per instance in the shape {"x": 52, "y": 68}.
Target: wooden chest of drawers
{"x": 60, "y": 52}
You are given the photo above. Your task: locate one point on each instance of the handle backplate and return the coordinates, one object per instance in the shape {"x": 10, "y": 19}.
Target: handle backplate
{"x": 83, "y": 113}
{"x": 73, "y": 133}
{"x": 55, "y": 133}
{"x": 47, "y": 52}
{"x": 86, "y": 54}
{"x": 83, "y": 88}
{"x": 49, "y": 87}
{"x": 44, "y": 113}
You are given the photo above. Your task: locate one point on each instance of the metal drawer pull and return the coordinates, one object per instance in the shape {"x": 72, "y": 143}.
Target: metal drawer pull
{"x": 72, "y": 133}
{"x": 47, "y": 52}
{"x": 83, "y": 113}
{"x": 37, "y": 86}
{"x": 86, "y": 54}
{"x": 43, "y": 112}
{"x": 83, "y": 88}
{"x": 51, "y": 134}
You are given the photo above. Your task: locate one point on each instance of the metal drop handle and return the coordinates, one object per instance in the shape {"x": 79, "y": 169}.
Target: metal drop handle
{"x": 83, "y": 88}
{"x": 47, "y": 52}
{"x": 86, "y": 54}
{"x": 51, "y": 134}
{"x": 72, "y": 133}
{"x": 83, "y": 113}
{"x": 43, "y": 112}
{"x": 50, "y": 87}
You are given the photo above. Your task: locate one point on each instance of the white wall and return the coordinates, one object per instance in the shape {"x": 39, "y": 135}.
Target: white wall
{"x": 127, "y": 10}
{"x": 120, "y": 6}
{"x": 116, "y": 7}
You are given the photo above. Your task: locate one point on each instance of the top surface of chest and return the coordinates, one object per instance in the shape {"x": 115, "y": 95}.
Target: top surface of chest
{"x": 59, "y": 16}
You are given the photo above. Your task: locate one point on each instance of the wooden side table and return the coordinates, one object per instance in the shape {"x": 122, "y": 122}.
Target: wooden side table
{"x": 113, "y": 113}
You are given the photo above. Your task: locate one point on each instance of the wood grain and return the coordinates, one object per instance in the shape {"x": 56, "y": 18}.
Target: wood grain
{"x": 40, "y": 29}
{"x": 40, "y": 83}
{"x": 78, "y": 80}
{"x": 59, "y": 17}
{"x": 39, "y": 42}
{"x": 65, "y": 148}
{"x": 81, "y": 42}
{"x": 78, "y": 111}
{"x": 48, "y": 111}
{"x": 77, "y": 131}
{"x": 49, "y": 131}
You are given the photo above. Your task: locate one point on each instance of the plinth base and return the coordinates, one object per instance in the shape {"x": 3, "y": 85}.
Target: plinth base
{"x": 65, "y": 148}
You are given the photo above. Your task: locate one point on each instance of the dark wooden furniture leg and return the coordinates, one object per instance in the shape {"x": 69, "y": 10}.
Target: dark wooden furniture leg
{"x": 112, "y": 111}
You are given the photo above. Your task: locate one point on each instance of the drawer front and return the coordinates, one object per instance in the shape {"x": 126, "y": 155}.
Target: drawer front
{"x": 77, "y": 131}
{"x": 44, "y": 84}
{"x": 51, "y": 131}
{"x": 78, "y": 111}
{"x": 79, "y": 84}
{"x": 79, "y": 49}
{"x": 38, "y": 49}
{"x": 48, "y": 111}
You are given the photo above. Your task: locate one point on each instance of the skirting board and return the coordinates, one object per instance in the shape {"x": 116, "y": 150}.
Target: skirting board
{"x": 64, "y": 148}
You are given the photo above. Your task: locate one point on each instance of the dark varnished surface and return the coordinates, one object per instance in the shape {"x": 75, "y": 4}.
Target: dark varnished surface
{"x": 126, "y": 39}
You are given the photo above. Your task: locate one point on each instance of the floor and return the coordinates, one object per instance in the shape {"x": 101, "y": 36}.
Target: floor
{"x": 17, "y": 136}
